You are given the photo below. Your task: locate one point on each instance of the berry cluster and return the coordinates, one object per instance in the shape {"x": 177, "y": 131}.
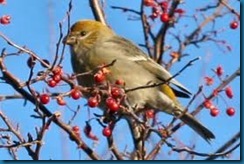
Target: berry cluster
{"x": 100, "y": 76}
{"x": 55, "y": 78}
{"x": 208, "y": 104}
{"x": 161, "y": 10}
{"x": 52, "y": 80}
{"x": 112, "y": 101}
{"x": 114, "y": 96}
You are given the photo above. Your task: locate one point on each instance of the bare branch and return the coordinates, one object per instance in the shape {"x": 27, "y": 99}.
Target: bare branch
{"x": 225, "y": 146}
{"x": 97, "y": 11}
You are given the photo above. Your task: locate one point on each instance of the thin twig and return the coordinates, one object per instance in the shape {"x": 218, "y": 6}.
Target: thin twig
{"x": 15, "y": 84}
{"x": 124, "y": 9}
{"x": 166, "y": 81}
{"x": 230, "y": 142}
{"x": 17, "y": 134}
{"x": 157, "y": 148}
{"x": 11, "y": 43}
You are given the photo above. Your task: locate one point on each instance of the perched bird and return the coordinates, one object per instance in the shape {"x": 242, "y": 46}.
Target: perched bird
{"x": 93, "y": 44}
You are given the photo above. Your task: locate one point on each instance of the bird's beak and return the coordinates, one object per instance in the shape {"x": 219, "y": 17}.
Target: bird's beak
{"x": 70, "y": 40}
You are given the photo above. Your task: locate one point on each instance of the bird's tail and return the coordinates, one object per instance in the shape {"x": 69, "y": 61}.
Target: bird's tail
{"x": 188, "y": 119}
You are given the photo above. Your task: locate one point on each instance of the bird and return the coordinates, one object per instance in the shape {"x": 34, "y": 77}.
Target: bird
{"x": 93, "y": 44}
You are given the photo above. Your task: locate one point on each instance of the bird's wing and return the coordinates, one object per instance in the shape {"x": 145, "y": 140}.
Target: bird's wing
{"x": 133, "y": 53}
{"x": 161, "y": 73}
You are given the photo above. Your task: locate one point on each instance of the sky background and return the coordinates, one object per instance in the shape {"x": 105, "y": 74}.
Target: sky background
{"x": 35, "y": 24}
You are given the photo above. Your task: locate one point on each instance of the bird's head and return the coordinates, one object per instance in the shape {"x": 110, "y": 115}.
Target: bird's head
{"x": 85, "y": 34}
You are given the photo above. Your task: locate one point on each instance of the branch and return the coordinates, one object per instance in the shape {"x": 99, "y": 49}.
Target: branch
{"x": 16, "y": 85}
{"x": 159, "y": 41}
{"x": 214, "y": 155}
{"x": 97, "y": 11}
{"x": 224, "y": 2}
{"x": 146, "y": 30}
{"x": 198, "y": 109}
{"x": 226, "y": 146}
{"x": 17, "y": 134}
{"x": 166, "y": 81}
{"x": 126, "y": 9}
{"x": 11, "y": 43}
{"x": 189, "y": 38}
{"x": 113, "y": 148}
{"x": 211, "y": 96}
{"x": 10, "y": 97}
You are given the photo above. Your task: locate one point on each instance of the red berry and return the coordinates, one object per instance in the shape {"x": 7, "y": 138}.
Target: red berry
{"x": 208, "y": 80}
{"x": 51, "y": 83}
{"x": 234, "y": 25}
{"x": 57, "y": 70}
{"x": 230, "y": 111}
{"x": 114, "y": 107}
{"x": 229, "y": 92}
{"x": 116, "y": 92}
{"x": 75, "y": 129}
{"x": 44, "y": 98}
{"x": 107, "y": 132}
{"x": 61, "y": 101}
{"x": 3, "y": 2}
{"x": 150, "y": 113}
{"x": 99, "y": 77}
{"x": 120, "y": 82}
{"x": 219, "y": 71}
{"x": 214, "y": 112}
{"x": 75, "y": 94}
{"x": 149, "y": 2}
{"x": 93, "y": 102}
{"x": 207, "y": 104}
{"x": 165, "y": 17}
{"x": 5, "y": 19}
{"x": 112, "y": 104}
{"x": 164, "y": 5}
{"x": 56, "y": 78}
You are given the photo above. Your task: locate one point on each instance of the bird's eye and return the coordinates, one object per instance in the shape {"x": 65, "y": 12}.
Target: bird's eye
{"x": 83, "y": 33}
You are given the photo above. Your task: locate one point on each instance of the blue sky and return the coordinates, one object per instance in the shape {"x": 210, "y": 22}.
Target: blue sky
{"x": 35, "y": 24}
